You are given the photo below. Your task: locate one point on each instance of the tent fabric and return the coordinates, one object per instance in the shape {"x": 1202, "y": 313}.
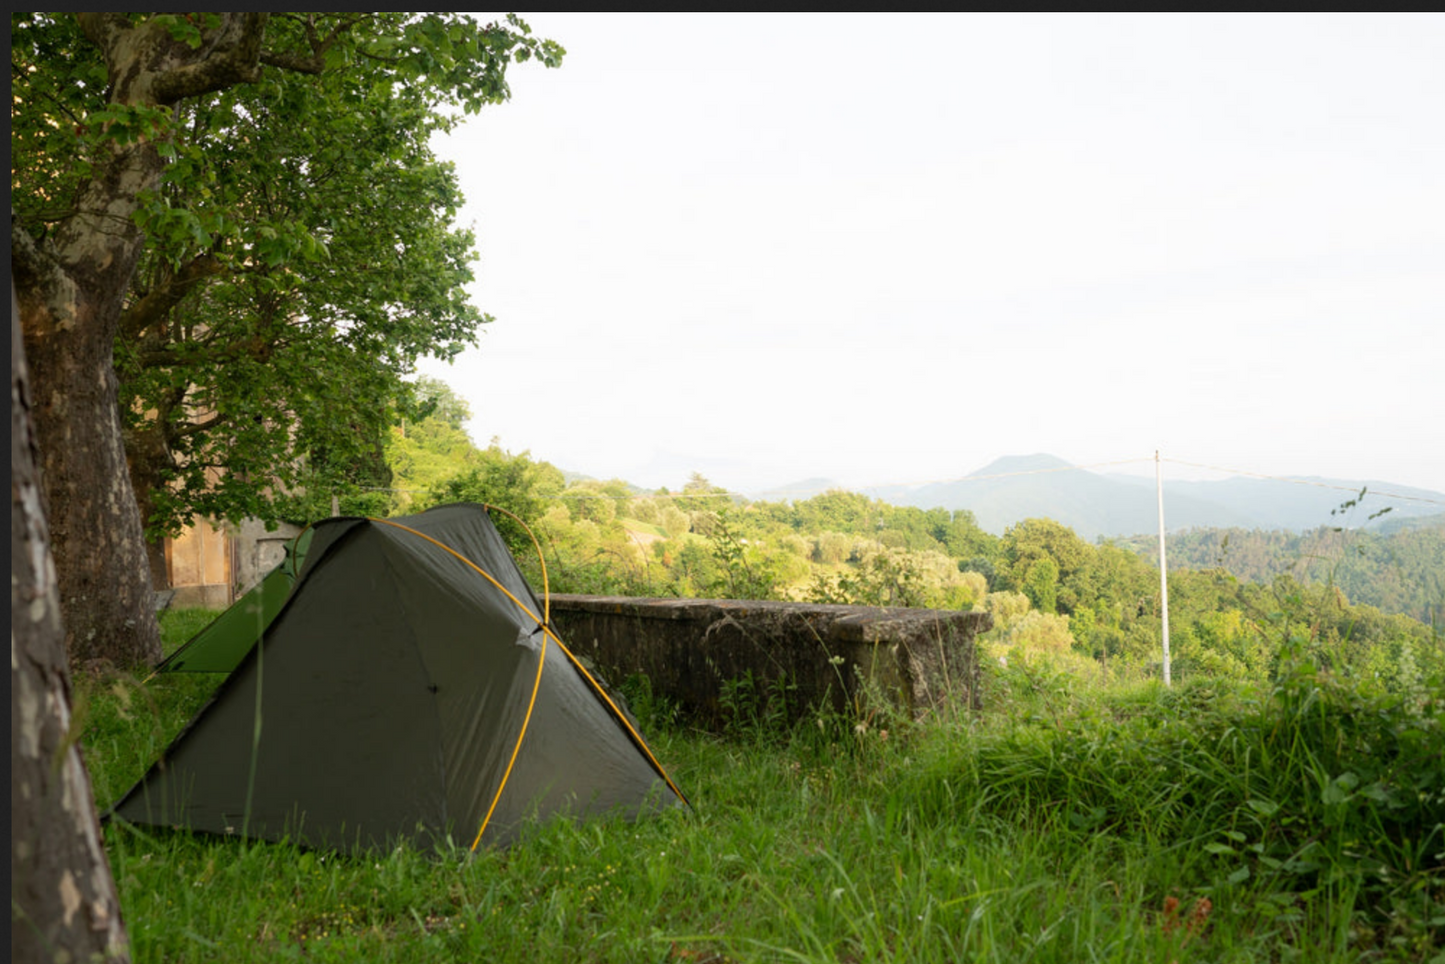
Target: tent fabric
{"x": 389, "y": 698}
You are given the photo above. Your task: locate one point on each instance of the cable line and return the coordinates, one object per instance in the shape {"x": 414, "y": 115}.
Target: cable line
{"x": 1318, "y": 485}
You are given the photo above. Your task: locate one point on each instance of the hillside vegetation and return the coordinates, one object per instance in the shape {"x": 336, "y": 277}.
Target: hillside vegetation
{"x": 1400, "y": 570}
{"x": 1363, "y": 603}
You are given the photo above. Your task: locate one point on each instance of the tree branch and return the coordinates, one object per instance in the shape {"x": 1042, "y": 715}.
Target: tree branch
{"x": 217, "y": 351}
{"x": 292, "y": 62}
{"x": 159, "y": 301}
{"x": 238, "y": 61}
{"x": 41, "y": 283}
{"x": 316, "y": 63}
{"x": 27, "y": 263}
{"x": 161, "y": 358}
{"x": 102, "y": 28}
{"x": 188, "y": 429}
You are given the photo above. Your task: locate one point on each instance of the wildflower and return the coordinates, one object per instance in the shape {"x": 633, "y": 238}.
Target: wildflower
{"x": 1194, "y": 923}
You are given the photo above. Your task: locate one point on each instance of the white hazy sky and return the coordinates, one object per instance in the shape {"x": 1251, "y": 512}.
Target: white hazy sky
{"x": 894, "y": 248}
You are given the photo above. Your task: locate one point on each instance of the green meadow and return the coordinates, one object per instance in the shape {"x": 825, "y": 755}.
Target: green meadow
{"x": 1302, "y": 820}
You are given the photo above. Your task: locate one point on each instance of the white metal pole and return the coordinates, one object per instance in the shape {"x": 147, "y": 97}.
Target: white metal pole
{"x": 1163, "y": 570}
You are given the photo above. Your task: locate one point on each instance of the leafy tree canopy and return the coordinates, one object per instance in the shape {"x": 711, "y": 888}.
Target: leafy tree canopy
{"x": 302, "y": 258}
{"x": 240, "y": 216}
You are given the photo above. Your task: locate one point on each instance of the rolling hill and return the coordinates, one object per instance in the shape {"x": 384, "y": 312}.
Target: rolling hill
{"x": 1014, "y": 488}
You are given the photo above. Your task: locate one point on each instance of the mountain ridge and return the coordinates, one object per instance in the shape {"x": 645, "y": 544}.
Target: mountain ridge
{"x": 1016, "y": 487}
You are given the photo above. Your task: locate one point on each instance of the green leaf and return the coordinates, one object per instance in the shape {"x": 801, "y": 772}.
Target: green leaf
{"x": 1265, "y": 808}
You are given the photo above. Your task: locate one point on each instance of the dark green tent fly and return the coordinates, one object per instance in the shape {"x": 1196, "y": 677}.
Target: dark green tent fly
{"x": 403, "y": 688}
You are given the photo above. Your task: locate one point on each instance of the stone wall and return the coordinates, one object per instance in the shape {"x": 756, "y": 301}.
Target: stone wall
{"x": 259, "y": 550}
{"x": 793, "y": 658}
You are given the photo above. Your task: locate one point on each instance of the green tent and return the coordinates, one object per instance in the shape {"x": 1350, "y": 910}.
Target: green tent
{"x": 406, "y": 688}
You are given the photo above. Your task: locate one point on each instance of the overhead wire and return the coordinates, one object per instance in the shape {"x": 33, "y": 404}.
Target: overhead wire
{"x": 1023, "y": 472}
{"x": 785, "y": 491}
{"x": 1312, "y": 482}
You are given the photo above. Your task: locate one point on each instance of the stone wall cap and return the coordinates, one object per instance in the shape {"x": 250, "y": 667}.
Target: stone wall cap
{"x": 863, "y": 623}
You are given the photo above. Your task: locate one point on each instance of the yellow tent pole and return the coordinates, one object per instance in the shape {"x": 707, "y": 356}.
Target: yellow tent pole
{"x": 546, "y": 593}
{"x": 547, "y": 633}
{"x": 536, "y": 684}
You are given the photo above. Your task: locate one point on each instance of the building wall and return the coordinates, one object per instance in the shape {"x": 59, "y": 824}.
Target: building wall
{"x": 200, "y": 563}
{"x": 212, "y": 564}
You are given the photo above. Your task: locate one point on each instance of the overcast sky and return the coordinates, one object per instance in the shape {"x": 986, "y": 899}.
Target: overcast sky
{"x": 895, "y": 248}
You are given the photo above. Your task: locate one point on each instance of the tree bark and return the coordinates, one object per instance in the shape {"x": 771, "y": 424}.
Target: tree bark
{"x": 63, "y": 898}
{"x": 148, "y": 459}
{"x": 69, "y": 307}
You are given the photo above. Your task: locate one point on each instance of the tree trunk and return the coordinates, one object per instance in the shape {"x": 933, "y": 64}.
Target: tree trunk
{"x": 63, "y": 899}
{"x": 148, "y": 459}
{"x": 70, "y": 296}
{"x": 160, "y": 570}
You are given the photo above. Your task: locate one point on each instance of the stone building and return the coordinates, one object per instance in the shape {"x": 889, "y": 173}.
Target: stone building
{"x": 211, "y": 565}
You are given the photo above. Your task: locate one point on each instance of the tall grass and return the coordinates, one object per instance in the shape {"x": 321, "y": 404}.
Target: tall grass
{"x": 1301, "y": 821}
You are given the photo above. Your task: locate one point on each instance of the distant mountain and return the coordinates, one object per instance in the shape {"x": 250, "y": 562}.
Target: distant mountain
{"x": 569, "y": 477}
{"x": 1307, "y": 503}
{"x": 796, "y": 491}
{"x": 1390, "y": 525}
{"x": 1015, "y": 488}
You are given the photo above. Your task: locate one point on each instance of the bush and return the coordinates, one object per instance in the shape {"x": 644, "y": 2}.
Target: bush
{"x": 1311, "y": 786}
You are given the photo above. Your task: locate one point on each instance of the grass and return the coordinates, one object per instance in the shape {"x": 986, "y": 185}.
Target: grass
{"x": 1304, "y": 821}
